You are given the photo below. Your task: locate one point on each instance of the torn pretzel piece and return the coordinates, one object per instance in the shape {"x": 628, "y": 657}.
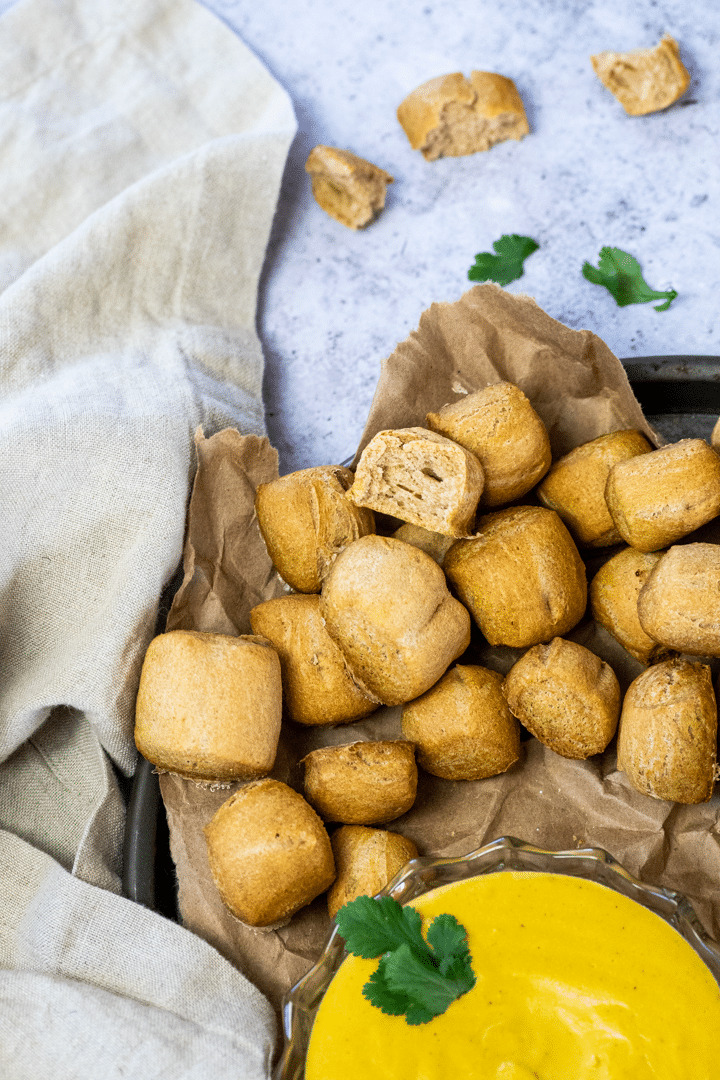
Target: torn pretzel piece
{"x": 349, "y": 188}
{"x": 421, "y": 477}
{"x": 644, "y": 80}
{"x": 451, "y": 116}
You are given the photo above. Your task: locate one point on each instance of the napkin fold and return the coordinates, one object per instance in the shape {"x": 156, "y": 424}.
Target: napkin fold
{"x": 143, "y": 148}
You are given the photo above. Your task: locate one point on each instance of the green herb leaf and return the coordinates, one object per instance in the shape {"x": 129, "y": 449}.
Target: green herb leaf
{"x": 621, "y": 275}
{"x": 428, "y": 991}
{"x": 448, "y": 941}
{"x": 507, "y": 264}
{"x": 373, "y": 927}
{"x": 392, "y": 1002}
{"x": 414, "y": 977}
{"x": 380, "y": 994}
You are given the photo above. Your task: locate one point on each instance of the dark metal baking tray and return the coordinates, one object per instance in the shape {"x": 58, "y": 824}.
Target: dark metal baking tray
{"x": 680, "y": 396}
{"x": 148, "y": 869}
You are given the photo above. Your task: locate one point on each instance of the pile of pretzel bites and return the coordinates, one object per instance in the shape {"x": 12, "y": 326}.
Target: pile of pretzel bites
{"x": 389, "y": 569}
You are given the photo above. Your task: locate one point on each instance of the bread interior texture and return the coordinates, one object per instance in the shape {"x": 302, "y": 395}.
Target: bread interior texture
{"x": 356, "y": 204}
{"x": 428, "y": 483}
{"x": 461, "y": 130}
{"x": 349, "y": 188}
{"x": 420, "y": 480}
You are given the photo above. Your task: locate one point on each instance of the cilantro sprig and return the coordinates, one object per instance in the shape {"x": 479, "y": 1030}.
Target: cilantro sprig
{"x": 620, "y": 273}
{"x": 416, "y": 977}
{"x": 506, "y": 264}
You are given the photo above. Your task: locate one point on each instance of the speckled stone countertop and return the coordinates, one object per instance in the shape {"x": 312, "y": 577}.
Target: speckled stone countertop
{"x": 335, "y": 302}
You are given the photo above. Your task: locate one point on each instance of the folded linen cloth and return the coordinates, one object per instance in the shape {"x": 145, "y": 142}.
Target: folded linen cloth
{"x": 143, "y": 147}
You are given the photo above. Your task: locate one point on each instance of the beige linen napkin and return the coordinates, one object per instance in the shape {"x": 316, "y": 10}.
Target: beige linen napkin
{"x": 143, "y": 147}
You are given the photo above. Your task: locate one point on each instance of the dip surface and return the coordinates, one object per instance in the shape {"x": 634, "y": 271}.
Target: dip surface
{"x": 574, "y": 982}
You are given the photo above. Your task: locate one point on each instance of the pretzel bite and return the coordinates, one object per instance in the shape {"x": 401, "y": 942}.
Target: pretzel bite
{"x": 499, "y": 425}
{"x": 452, "y": 116}
{"x": 269, "y": 853}
{"x": 655, "y": 499}
{"x": 614, "y": 593}
{"x": 209, "y": 706}
{"x": 366, "y": 861}
{"x": 362, "y": 783}
{"x": 306, "y": 519}
{"x": 566, "y": 696}
{"x": 679, "y": 604}
{"x": 644, "y": 80}
{"x": 575, "y": 486}
{"x": 420, "y": 477}
{"x": 521, "y": 577}
{"x": 462, "y": 727}
{"x": 668, "y": 732}
{"x": 387, "y": 605}
{"x": 347, "y": 187}
{"x": 317, "y": 688}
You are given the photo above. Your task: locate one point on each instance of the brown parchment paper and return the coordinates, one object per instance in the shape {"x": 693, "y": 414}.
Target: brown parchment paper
{"x": 580, "y": 389}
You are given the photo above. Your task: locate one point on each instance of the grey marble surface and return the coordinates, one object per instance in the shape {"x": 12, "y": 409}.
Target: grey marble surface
{"x": 334, "y": 302}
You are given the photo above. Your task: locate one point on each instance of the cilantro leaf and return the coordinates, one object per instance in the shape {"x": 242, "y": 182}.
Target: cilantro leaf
{"x": 507, "y": 264}
{"x": 372, "y": 927}
{"x": 379, "y": 993}
{"x": 400, "y": 986}
{"x": 448, "y": 941}
{"x": 416, "y": 977}
{"x": 620, "y": 273}
{"x": 429, "y": 992}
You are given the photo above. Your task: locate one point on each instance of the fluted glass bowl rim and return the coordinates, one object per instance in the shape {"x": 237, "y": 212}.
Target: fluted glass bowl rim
{"x": 421, "y": 875}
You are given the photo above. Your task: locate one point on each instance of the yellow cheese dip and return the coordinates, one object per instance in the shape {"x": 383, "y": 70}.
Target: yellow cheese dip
{"x": 574, "y": 982}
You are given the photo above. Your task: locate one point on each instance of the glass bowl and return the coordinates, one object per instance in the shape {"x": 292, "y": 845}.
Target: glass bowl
{"x": 507, "y": 853}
